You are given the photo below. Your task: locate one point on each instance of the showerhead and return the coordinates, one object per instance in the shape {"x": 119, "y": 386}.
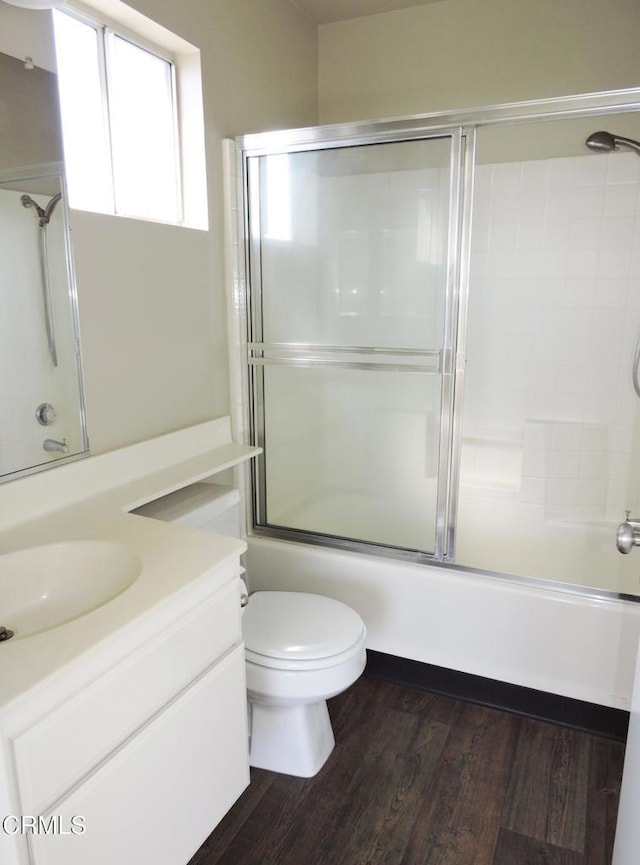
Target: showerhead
{"x": 27, "y": 201}
{"x": 605, "y": 142}
{"x": 44, "y": 214}
{"x": 601, "y": 142}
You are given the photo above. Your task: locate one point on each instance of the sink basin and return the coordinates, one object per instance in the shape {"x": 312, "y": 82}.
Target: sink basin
{"x": 46, "y": 586}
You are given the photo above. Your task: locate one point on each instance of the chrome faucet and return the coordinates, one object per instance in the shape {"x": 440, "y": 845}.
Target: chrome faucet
{"x": 52, "y": 445}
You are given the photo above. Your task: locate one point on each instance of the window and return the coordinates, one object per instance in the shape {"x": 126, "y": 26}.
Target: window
{"x": 119, "y": 122}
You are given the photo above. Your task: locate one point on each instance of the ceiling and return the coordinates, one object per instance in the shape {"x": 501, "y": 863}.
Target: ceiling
{"x": 326, "y": 11}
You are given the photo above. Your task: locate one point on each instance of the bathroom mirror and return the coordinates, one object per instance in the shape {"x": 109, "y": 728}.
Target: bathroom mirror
{"x": 42, "y": 407}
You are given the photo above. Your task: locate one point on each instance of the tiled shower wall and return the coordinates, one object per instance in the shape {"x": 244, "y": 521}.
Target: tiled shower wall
{"x": 550, "y": 419}
{"x": 550, "y": 415}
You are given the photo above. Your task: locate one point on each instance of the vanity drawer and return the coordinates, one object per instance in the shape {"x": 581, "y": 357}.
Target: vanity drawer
{"x": 157, "y": 799}
{"x": 64, "y": 746}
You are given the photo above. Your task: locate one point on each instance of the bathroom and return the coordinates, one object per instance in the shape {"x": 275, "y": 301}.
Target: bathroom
{"x": 267, "y": 66}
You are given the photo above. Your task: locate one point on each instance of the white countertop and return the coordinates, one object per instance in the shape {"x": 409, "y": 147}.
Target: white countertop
{"x": 180, "y": 566}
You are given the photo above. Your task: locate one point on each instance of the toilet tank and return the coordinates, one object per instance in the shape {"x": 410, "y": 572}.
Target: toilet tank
{"x": 208, "y": 507}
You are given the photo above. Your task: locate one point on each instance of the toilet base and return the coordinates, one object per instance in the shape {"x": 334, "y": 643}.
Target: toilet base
{"x": 291, "y": 739}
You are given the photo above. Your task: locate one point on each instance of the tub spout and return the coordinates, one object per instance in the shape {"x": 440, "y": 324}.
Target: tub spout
{"x": 52, "y": 446}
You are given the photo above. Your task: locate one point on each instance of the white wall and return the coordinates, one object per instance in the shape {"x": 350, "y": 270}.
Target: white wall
{"x": 151, "y": 297}
{"x": 468, "y": 53}
{"x": 29, "y": 127}
{"x": 27, "y": 33}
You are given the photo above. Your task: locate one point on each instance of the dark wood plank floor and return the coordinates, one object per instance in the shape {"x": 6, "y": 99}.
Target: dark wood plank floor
{"x": 419, "y": 779}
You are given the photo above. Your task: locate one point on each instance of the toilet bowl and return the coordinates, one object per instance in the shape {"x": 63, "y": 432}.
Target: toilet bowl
{"x": 300, "y": 648}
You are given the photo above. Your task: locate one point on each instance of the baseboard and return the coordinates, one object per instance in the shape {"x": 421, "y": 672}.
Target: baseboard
{"x": 578, "y": 714}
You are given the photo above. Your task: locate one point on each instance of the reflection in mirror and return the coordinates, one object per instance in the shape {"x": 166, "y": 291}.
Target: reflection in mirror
{"x": 41, "y": 401}
{"x": 40, "y": 382}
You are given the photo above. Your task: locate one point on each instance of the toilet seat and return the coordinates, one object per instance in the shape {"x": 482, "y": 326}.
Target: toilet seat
{"x": 300, "y": 631}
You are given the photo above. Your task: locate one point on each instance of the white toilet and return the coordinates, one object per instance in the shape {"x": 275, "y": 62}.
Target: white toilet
{"x": 300, "y": 649}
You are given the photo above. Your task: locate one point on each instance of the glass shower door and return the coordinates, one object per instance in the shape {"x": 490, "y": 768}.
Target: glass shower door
{"x": 351, "y": 335}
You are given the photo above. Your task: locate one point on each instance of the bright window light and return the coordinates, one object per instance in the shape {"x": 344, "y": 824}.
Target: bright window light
{"x": 143, "y": 139}
{"x": 118, "y": 122}
{"x": 84, "y": 120}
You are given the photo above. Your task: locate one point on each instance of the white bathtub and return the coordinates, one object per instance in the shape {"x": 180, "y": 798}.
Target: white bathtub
{"x": 539, "y": 637}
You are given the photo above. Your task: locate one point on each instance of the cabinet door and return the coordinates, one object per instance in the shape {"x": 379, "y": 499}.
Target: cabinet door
{"x": 159, "y": 796}
{"x": 66, "y": 745}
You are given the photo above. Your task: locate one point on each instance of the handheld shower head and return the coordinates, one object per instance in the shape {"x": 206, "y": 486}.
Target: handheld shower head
{"x": 27, "y": 201}
{"x": 605, "y": 142}
{"x": 51, "y": 205}
{"x": 44, "y": 213}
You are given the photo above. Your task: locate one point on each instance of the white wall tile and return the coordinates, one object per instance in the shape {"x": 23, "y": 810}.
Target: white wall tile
{"x": 534, "y": 175}
{"x": 587, "y": 201}
{"x": 581, "y": 263}
{"x": 505, "y": 177}
{"x": 614, "y": 264}
{"x": 577, "y": 289}
{"x": 622, "y": 168}
{"x": 613, "y": 293}
{"x": 584, "y": 233}
{"x": 620, "y": 200}
{"x": 589, "y": 171}
{"x": 618, "y": 232}
{"x": 556, "y": 231}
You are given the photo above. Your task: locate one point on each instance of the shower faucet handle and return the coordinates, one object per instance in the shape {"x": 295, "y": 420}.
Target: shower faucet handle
{"x": 628, "y": 534}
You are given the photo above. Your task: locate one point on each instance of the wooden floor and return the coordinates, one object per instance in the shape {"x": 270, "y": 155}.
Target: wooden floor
{"x": 418, "y": 779}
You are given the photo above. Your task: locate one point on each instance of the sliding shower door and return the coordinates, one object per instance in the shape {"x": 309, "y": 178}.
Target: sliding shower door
{"x": 352, "y": 287}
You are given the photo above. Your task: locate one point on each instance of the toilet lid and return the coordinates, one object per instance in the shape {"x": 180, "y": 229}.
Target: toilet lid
{"x": 299, "y": 626}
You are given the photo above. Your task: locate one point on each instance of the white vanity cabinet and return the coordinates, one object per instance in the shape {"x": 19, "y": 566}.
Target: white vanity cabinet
{"x": 140, "y": 764}
{"x": 158, "y": 797}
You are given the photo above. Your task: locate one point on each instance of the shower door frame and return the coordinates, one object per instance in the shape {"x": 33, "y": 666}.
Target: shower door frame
{"x": 449, "y": 366}
{"x": 463, "y": 124}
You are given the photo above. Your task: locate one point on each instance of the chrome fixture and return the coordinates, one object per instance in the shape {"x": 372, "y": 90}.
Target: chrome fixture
{"x": 46, "y": 414}
{"x": 634, "y": 370}
{"x": 54, "y": 446}
{"x": 605, "y": 142}
{"x": 44, "y": 216}
{"x": 5, "y": 634}
{"x": 628, "y": 534}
